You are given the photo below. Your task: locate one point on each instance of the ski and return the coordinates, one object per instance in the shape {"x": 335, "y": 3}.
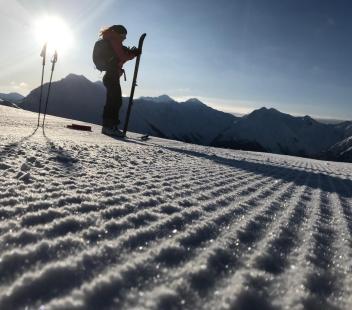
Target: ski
{"x": 126, "y": 138}
{"x": 134, "y": 82}
{"x": 139, "y": 138}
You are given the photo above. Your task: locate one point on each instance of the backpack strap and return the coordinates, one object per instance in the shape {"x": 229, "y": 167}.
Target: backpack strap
{"x": 124, "y": 74}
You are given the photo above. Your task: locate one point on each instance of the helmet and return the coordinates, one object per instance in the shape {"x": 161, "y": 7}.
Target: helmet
{"x": 119, "y": 29}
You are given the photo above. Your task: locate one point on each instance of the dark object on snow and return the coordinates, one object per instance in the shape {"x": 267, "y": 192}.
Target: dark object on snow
{"x": 79, "y": 127}
{"x": 134, "y": 82}
{"x": 104, "y": 56}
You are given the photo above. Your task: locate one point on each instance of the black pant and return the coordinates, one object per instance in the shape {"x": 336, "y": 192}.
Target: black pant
{"x": 113, "y": 102}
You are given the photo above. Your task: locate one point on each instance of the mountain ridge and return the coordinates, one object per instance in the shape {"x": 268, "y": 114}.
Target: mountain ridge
{"x": 12, "y": 97}
{"x": 264, "y": 129}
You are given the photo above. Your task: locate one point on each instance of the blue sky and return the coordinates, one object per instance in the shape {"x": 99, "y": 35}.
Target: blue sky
{"x": 293, "y": 55}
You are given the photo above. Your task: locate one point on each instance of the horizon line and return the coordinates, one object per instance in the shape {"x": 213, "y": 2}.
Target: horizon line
{"x": 238, "y": 111}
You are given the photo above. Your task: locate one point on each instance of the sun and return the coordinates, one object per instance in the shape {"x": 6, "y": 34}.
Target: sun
{"x": 54, "y": 31}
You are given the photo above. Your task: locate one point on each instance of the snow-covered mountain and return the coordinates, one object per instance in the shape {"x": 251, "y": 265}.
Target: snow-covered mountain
{"x": 91, "y": 222}
{"x": 192, "y": 121}
{"x": 73, "y": 96}
{"x": 78, "y": 98}
{"x": 272, "y": 131}
{"x": 346, "y": 127}
{"x": 341, "y": 151}
{"x": 12, "y": 97}
{"x": 189, "y": 121}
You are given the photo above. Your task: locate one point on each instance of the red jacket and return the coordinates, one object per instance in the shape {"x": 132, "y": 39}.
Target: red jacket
{"x": 122, "y": 52}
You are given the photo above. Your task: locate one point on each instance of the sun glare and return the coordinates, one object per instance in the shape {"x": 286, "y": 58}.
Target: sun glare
{"x": 54, "y": 31}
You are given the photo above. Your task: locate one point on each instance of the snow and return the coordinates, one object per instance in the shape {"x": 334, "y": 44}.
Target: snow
{"x": 92, "y": 222}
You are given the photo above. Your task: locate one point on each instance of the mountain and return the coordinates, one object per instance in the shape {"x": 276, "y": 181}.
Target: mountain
{"x": 265, "y": 130}
{"x": 162, "y": 98}
{"x": 272, "y": 131}
{"x": 189, "y": 121}
{"x": 73, "y": 96}
{"x": 341, "y": 151}
{"x": 78, "y": 98}
{"x": 346, "y": 127}
{"x": 12, "y": 97}
{"x": 8, "y": 103}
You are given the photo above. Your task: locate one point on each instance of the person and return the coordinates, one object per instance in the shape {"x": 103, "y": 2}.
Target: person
{"x": 115, "y": 34}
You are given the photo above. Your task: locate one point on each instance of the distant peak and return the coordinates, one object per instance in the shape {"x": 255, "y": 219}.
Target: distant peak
{"x": 259, "y": 111}
{"x": 15, "y": 94}
{"x": 266, "y": 110}
{"x": 73, "y": 76}
{"x": 162, "y": 98}
{"x": 194, "y": 100}
{"x": 265, "y": 113}
{"x": 165, "y": 98}
{"x": 11, "y": 96}
{"x": 307, "y": 117}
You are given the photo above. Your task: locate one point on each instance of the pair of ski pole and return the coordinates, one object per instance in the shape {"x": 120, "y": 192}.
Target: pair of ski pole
{"x": 53, "y": 62}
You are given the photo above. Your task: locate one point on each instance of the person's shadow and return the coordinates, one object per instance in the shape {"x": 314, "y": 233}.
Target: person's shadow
{"x": 56, "y": 153}
{"x": 9, "y": 148}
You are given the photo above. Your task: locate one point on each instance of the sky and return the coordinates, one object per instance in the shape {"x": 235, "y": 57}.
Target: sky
{"x": 236, "y": 56}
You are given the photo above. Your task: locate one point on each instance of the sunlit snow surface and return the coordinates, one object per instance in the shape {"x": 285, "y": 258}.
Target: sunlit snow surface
{"x": 91, "y": 222}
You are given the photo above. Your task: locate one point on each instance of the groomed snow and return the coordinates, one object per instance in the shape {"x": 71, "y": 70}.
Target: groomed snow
{"x": 92, "y": 222}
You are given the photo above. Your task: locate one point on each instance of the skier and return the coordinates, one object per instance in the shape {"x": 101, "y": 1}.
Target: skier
{"x": 115, "y": 34}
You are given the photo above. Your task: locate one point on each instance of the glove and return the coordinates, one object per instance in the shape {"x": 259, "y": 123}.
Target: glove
{"x": 136, "y": 52}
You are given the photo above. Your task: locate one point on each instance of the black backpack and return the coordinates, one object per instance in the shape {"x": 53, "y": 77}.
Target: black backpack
{"x": 104, "y": 56}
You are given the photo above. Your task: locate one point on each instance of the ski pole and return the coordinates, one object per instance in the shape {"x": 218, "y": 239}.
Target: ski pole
{"x": 43, "y": 55}
{"x": 134, "y": 83}
{"x": 53, "y": 61}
